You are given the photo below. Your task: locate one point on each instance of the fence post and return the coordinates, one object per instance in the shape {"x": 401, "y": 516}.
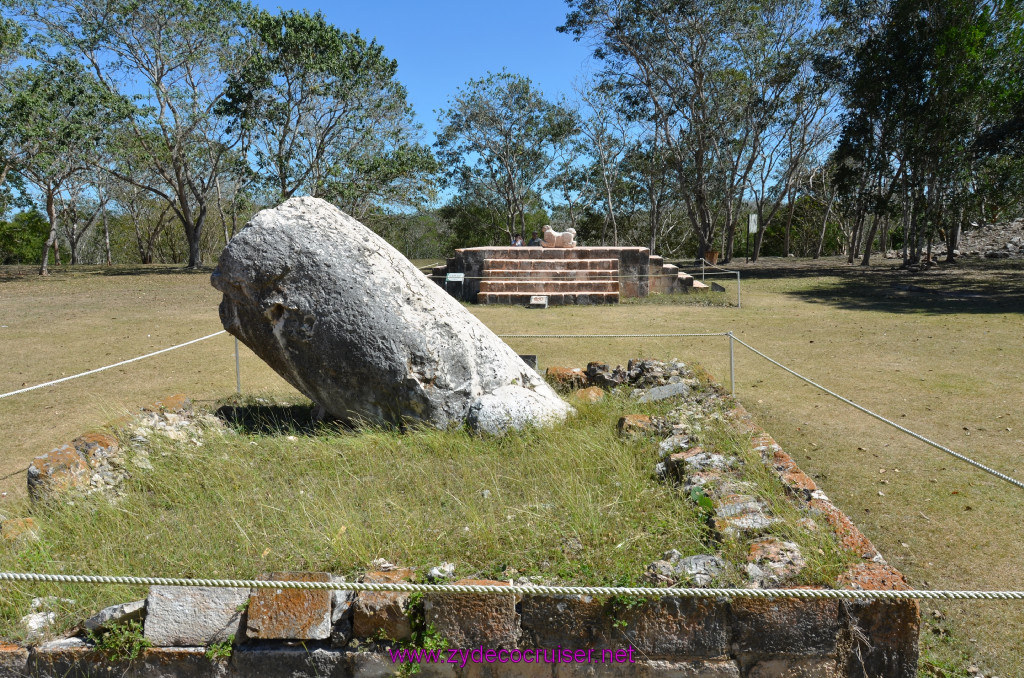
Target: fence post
{"x": 739, "y": 301}
{"x": 238, "y": 370}
{"x": 732, "y": 365}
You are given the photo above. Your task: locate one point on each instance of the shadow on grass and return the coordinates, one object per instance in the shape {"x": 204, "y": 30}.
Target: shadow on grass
{"x": 16, "y": 272}
{"x": 155, "y": 269}
{"x": 272, "y": 418}
{"x": 970, "y": 287}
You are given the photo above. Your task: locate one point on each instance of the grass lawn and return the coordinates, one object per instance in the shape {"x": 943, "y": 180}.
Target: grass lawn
{"x": 940, "y": 352}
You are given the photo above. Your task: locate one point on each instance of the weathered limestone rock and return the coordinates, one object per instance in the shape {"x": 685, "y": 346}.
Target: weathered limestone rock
{"x": 470, "y": 620}
{"x": 662, "y": 392}
{"x": 773, "y": 562}
{"x": 89, "y": 463}
{"x": 13, "y": 660}
{"x": 350, "y": 322}
{"x": 278, "y": 614}
{"x": 699, "y": 570}
{"x": 61, "y": 469}
{"x": 592, "y": 394}
{"x": 566, "y": 378}
{"x": 193, "y": 616}
{"x": 116, "y": 614}
{"x": 384, "y": 612}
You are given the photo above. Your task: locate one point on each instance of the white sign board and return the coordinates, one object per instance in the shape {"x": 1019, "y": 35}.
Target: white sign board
{"x": 752, "y": 223}
{"x": 455, "y": 277}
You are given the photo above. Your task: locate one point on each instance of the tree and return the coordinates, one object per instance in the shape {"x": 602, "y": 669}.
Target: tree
{"x": 497, "y": 142}
{"x": 604, "y": 131}
{"x": 12, "y": 37}
{"x": 322, "y": 113}
{"x": 926, "y": 86}
{"x": 712, "y": 77}
{"x": 171, "y": 56}
{"x": 57, "y": 117}
{"x": 22, "y": 238}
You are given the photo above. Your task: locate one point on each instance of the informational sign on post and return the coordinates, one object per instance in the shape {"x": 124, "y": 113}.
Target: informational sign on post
{"x": 455, "y": 277}
{"x": 751, "y": 228}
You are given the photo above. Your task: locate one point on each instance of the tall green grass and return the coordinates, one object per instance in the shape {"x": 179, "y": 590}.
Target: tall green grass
{"x": 274, "y": 494}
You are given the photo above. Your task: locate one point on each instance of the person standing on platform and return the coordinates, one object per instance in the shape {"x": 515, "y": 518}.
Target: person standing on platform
{"x": 534, "y": 240}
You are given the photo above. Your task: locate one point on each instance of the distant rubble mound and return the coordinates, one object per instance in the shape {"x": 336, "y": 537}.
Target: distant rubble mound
{"x": 992, "y": 241}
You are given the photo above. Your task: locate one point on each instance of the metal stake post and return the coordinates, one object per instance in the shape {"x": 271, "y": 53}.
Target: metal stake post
{"x": 732, "y": 365}
{"x": 739, "y": 299}
{"x": 238, "y": 370}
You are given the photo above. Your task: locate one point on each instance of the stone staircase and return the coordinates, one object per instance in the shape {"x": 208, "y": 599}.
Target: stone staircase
{"x": 562, "y": 281}
{"x": 575, "y": 275}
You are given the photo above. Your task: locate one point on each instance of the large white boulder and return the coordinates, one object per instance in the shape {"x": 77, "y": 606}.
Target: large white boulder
{"x": 352, "y": 324}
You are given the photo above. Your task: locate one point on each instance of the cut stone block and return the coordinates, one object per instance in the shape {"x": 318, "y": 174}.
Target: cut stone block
{"x": 186, "y": 616}
{"x": 13, "y": 660}
{"x": 797, "y": 667}
{"x": 469, "y": 620}
{"x": 566, "y": 621}
{"x": 261, "y": 661}
{"x": 383, "y": 612}
{"x": 684, "y": 627}
{"x": 765, "y": 627}
{"x": 292, "y": 614}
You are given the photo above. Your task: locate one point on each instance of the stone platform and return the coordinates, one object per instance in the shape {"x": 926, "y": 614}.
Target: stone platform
{"x": 575, "y": 275}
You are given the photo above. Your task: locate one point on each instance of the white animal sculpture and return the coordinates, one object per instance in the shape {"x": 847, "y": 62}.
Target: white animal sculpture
{"x": 553, "y": 238}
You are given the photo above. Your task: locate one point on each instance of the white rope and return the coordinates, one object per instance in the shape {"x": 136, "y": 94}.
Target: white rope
{"x": 807, "y": 594}
{"x": 708, "y": 263}
{"x": 607, "y": 336}
{"x": 610, "y": 278}
{"x": 107, "y": 367}
{"x": 879, "y": 417}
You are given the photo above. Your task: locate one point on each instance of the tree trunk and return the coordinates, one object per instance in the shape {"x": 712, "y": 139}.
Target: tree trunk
{"x": 653, "y": 214}
{"x": 789, "y": 223}
{"x": 220, "y": 211}
{"x": 824, "y": 225}
{"x": 73, "y": 246}
{"x": 953, "y": 237}
{"x": 867, "y": 242}
{"x": 51, "y": 240}
{"x": 106, "y": 238}
{"x": 730, "y": 232}
{"x": 195, "y": 256}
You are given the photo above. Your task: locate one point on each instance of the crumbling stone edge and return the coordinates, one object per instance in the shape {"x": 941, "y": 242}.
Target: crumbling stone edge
{"x": 317, "y": 633}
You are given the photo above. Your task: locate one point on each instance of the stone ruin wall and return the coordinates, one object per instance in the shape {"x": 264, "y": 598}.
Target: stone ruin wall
{"x": 324, "y": 633}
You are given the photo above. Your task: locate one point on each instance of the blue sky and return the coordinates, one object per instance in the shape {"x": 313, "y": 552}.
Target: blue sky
{"x": 440, "y": 45}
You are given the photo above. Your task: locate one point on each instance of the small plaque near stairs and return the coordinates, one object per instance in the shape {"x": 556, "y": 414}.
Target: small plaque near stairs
{"x": 538, "y": 301}
{"x": 715, "y": 287}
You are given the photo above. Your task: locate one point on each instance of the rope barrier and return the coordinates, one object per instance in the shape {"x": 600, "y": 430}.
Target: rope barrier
{"x": 879, "y": 417}
{"x": 608, "y": 336}
{"x": 644, "y": 592}
{"x": 107, "y": 367}
{"x": 608, "y": 278}
{"x": 708, "y": 263}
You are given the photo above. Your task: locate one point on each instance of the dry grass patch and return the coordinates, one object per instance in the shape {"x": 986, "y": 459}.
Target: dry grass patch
{"x": 575, "y": 503}
{"x": 938, "y": 351}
